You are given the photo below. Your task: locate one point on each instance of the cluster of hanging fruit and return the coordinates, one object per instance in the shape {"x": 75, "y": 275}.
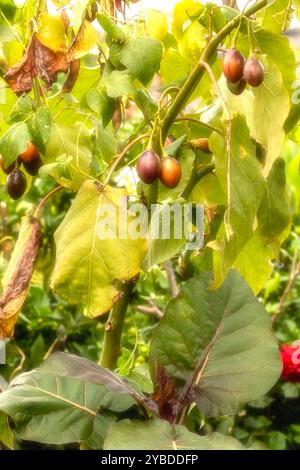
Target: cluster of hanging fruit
{"x": 240, "y": 72}
{"x": 150, "y": 168}
{"x": 16, "y": 182}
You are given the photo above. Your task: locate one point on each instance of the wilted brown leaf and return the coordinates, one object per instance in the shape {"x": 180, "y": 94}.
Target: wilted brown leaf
{"x": 38, "y": 61}
{"x": 17, "y": 278}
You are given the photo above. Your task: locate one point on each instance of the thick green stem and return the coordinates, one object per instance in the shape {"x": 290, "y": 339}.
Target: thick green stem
{"x": 113, "y": 329}
{"x": 199, "y": 70}
{"x": 195, "y": 178}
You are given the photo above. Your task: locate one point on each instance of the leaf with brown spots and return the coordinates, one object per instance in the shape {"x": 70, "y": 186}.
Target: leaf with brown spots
{"x": 17, "y": 278}
{"x": 38, "y": 61}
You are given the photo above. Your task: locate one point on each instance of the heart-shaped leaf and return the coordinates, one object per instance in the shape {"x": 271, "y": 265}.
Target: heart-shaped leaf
{"x": 217, "y": 344}
{"x": 160, "y": 435}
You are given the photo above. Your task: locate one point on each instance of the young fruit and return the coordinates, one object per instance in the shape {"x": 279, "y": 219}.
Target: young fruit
{"x": 7, "y": 170}
{"x": 170, "y": 174}
{"x": 233, "y": 65}
{"x": 33, "y": 167}
{"x": 254, "y": 72}
{"x": 16, "y": 184}
{"x": 237, "y": 88}
{"x": 31, "y": 153}
{"x": 148, "y": 166}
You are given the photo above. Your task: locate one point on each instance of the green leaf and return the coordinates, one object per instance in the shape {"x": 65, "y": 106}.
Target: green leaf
{"x": 113, "y": 31}
{"x": 40, "y": 126}
{"x": 241, "y": 179}
{"x": 275, "y": 16}
{"x": 21, "y": 109}
{"x": 273, "y": 213}
{"x": 270, "y": 110}
{"x": 155, "y": 434}
{"x": 166, "y": 234}
{"x": 88, "y": 265}
{"x": 269, "y": 44}
{"x": 73, "y": 146}
{"x": 118, "y": 83}
{"x": 157, "y": 24}
{"x": 14, "y": 142}
{"x": 254, "y": 262}
{"x": 192, "y": 42}
{"x": 50, "y": 407}
{"x": 184, "y": 12}
{"x": 142, "y": 57}
{"x": 219, "y": 340}
{"x": 6, "y": 435}
{"x": 106, "y": 144}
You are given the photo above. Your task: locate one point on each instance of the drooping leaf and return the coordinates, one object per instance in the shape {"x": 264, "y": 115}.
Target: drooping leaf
{"x": 89, "y": 258}
{"x": 50, "y": 407}
{"x": 142, "y": 57}
{"x": 160, "y": 435}
{"x": 273, "y": 214}
{"x": 16, "y": 280}
{"x": 38, "y": 61}
{"x": 200, "y": 333}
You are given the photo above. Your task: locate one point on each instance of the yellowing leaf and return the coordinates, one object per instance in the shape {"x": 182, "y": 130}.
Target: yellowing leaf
{"x": 184, "y": 11}
{"x": 51, "y": 33}
{"x": 157, "y": 24}
{"x": 192, "y": 41}
{"x": 87, "y": 264}
{"x": 16, "y": 279}
{"x": 84, "y": 41}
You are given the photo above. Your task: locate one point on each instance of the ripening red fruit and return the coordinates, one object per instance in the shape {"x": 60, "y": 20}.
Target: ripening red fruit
{"x": 237, "y": 88}
{"x": 8, "y": 169}
{"x": 254, "y": 72}
{"x": 170, "y": 174}
{"x": 16, "y": 184}
{"x": 290, "y": 356}
{"x": 31, "y": 153}
{"x": 233, "y": 65}
{"x": 148, "y": 166}
{"x": 33, "y": 167}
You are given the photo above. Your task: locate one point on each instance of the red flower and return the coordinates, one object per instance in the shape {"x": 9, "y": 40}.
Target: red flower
{"x": 290, "y": 356}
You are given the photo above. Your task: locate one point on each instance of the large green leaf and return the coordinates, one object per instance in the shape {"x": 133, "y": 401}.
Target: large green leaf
{"x": 239, "y": 173}
{"x": 220, "y": 341}
{"x": 87, "y": 265}
{"x": 160, "y": 435}
{"x": 273, "y": 214}
{"x": 49, "y": 406}
{"x": 274, "y": 18}
{"x": 142, "y": 57}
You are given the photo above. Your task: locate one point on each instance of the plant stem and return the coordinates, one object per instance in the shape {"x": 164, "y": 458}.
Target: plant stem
{"x": 195, "y": 178}
{"x": 198, "y": 72}
{"x": 113, "y": 328}
{"x": 46, "y": 199}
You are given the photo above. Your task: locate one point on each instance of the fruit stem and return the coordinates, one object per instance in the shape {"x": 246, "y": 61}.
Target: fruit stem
{"x": 46, "y": 199}
{"x": 121, "y": 156}
{"x": 198, "y": 72}
{"x": 195, "y": 178}
{"x": 113, "y": 328}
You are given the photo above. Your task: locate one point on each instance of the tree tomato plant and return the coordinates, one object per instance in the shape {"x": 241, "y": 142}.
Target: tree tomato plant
{"x": 115, "y": 111}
